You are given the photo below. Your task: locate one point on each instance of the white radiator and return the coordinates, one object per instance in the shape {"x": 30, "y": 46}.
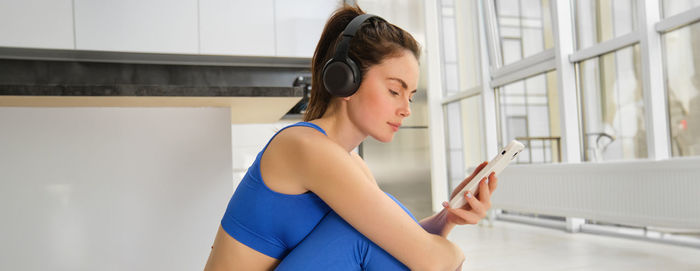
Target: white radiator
{"x": 642, "y": 193}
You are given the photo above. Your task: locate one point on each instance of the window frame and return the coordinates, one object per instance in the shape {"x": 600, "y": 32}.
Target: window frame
{"x": 652, "y": 71}
{"x": 660, "y": 28}
{"x": 562, "y": 58}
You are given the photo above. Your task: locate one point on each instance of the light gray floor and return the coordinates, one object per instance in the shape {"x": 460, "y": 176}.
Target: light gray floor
{"x": 514, "y": 246}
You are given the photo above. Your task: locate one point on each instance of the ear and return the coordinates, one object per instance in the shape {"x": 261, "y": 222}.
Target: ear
{"x": 347, "y": 98}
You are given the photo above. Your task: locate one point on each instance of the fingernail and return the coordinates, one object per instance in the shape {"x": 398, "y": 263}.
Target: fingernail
{"x": 445, "y": 204}
{"x": 469, "y": 195}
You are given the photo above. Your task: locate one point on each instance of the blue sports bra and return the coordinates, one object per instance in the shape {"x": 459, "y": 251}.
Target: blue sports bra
{"x": 267, "y": 221}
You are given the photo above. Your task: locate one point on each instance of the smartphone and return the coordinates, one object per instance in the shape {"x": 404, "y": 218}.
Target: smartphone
{"x": 497, "y": 165}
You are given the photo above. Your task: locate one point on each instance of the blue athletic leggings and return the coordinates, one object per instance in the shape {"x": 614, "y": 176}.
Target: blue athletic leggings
{"x": 335, "y": 245}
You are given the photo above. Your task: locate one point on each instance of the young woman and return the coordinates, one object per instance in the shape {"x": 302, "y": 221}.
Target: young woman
{"x": 308, "y": 201}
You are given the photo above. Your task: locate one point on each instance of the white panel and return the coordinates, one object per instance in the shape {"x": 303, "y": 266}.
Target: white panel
{"x": 298, "y": 25}
{"x": 237, "y": 27}
{"x": 36, "y": 23}
{"x": 159, "y": 26}
{"x": 112, "y": 188}
{"x": 643, "y": 193}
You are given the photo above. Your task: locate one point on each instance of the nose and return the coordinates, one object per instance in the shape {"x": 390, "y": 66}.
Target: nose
{"x": 405, "y": 109}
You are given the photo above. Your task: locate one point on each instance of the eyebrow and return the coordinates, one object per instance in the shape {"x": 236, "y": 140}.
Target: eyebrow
{"x": 403, "y": 84}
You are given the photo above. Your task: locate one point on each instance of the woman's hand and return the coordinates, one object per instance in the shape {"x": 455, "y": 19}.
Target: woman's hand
{"x": 476, "y": 207}
{"x": 443, "y": 222}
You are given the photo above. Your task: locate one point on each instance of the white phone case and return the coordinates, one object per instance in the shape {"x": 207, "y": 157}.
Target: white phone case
{"x": 497, "y": 165}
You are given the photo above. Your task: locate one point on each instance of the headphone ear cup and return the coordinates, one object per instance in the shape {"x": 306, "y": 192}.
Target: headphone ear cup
{"x": 356, "y": 75}
{"x": 341, "y": 78}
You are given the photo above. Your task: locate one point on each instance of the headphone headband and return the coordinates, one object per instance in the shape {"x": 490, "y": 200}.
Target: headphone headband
{"x": 341, "y": 52}
{"x": 341, "y": 76}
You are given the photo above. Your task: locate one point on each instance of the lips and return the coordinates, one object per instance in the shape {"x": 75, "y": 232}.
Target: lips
{"x": 394, "y": 126}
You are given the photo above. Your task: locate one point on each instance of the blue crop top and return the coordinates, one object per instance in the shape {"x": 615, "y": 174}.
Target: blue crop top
{"x": 267, "y": 221}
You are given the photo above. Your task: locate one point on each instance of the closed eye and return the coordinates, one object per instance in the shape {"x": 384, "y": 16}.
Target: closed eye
{"x": 410, "y": 100}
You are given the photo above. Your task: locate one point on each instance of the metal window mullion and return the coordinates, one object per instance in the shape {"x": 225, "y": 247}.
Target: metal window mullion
{"x": 678, "y": 20}
{"x": 489, "y": 19}
{"x": 655, "y": 99}
{"x": 605, "y": 47}
{"x": 543, "y": 56}
{"x": 520, "y": 29}
{"x": 523, "y": 74}
{"x": 488, "y": 102}
{"x": 441, "y": 41}
{"x": 570, "y": 142}
{"x": 462, "y": 95}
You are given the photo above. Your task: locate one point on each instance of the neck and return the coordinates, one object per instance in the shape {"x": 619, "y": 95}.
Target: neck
{"x": 340, "y": 129}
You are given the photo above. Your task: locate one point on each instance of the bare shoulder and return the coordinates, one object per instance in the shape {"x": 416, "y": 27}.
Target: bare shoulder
{"x": 307, "y": 147}
{"x": 298, "y": 139}
{"x": 290, "y": 155}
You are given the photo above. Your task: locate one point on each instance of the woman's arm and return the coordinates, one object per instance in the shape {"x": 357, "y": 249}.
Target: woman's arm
{"x": 330, "y": 172}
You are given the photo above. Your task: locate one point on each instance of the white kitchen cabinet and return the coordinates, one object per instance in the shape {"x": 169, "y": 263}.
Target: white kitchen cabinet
{"x": 98, "y": 188}
{"x": 237, "y": 27}
{"x": 160, "y": 26}
{"x": 299, "y": 24}
{"x": 36, "y": 24}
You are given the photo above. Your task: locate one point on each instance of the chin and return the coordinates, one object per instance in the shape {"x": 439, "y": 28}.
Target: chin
{"x": 384, "y": 138}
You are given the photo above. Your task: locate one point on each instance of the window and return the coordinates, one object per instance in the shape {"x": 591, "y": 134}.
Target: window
{"x": 600, "y": 80}
{"x": 460, "y": 50}
{"x": 449, "y": 48}
{"x": 525, "y": 29}
{"x": 462, "y": 102}
{"x": 673, "y": 7}
{"x": 612, "y": 106}
{"x": 683, "y": 88}
{"x": 464, "y": 138}
{"x": 602, "y": 20}
{"x": 611, "y": 100}
{"x": 528, "y": 111}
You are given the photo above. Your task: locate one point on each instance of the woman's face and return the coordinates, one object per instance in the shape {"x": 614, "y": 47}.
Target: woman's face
{"x": 383, "y": 100}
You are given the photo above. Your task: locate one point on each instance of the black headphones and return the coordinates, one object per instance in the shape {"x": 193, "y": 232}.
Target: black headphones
{"x": 341, "y": 76}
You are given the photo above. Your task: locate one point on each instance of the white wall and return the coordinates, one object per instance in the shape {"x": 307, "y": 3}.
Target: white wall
{"x": 112, "y": 188}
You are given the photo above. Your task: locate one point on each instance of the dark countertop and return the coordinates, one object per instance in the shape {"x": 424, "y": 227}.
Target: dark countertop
{"x": 148, "y": 90}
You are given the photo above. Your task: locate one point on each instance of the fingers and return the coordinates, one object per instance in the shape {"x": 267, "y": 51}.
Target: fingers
{"x": 468, "y": 179}
{"x": 489, "y": 185}
{"x": 493, "y": 182}
{"x": 475, "y": 209}
{"x": 478, "y": 168}
{"x": 461, "y": 216}
{"x": 474, "y": 206}
{"x": 484, "y": 191}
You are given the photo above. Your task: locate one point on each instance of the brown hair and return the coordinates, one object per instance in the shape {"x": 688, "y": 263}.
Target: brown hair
{"x": 375, "y": 41}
